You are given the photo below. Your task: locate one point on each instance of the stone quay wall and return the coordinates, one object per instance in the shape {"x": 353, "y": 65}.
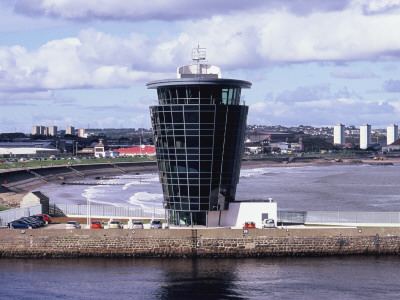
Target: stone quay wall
{"x": 198, "y": 242}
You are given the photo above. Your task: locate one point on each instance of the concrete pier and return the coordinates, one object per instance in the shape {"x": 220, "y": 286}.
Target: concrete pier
{"x": 199, "y": 242}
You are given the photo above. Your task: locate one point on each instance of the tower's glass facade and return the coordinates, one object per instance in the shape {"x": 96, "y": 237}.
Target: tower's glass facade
{"x": 199, "y": 127}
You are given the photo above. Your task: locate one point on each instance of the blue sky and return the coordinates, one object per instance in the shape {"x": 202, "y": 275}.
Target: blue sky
{"x": 86, "y": 62}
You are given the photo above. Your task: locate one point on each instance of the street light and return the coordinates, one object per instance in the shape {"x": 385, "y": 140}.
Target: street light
{"x": 75, "y": 148}
{"x": 88, "y": 219}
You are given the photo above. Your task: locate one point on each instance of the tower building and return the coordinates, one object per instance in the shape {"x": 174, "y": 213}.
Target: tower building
{"x": 53, "y": 130}
{"x": 365, "y": 136}
{"x": 35, "y": 130}
{"x": 199, "y": 127}
{"x": 392, "y": 134}
{"x": 338, "y": 134}
{"x": 70, "y": 130}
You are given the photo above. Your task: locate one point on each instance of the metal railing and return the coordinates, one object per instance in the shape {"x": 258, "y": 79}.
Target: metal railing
{"x": 339, "y": 217}
{"x": 102, "y": 211}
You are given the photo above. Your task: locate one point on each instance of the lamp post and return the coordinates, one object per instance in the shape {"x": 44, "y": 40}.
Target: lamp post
{"x": 88, "y": 219}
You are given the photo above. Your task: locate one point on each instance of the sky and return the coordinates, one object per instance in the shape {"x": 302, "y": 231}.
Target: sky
{"x": 85, "y": 63}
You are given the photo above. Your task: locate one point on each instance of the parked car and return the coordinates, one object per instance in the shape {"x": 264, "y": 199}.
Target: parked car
{"x": 155, "y": 224}
{"x": 268, "y": 223}
{"x": 41, "y": 218}
{"x": 46, "y": 217}
{"x": 137, "y": 224}
{"x": 249, "y": 225}
{"x": 39, "y": 223}
{"x": 72, "y": 225}
{"x": 115, "y": 224}
{"x": 21, "y": 224}
{"x": 96, "y": 225}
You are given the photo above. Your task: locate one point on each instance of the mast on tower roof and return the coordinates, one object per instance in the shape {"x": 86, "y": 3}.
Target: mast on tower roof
{"x": 198, "y": 54}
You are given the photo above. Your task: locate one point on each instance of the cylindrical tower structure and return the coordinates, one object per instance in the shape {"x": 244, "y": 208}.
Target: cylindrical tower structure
{"x": 199, "y": 127}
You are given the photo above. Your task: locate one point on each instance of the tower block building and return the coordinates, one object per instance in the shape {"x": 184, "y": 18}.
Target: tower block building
{"x": 392, "y": 133}
{"x": 338, "y": 134}
{"x": 199, "y": 128}
{"x": 365, "y": 136}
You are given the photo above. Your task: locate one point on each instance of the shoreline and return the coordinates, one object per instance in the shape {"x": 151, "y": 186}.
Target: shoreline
{"x": 11, "y": 199}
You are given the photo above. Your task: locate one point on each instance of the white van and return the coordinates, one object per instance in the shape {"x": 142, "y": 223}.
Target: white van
{"x": 268, "y": 223}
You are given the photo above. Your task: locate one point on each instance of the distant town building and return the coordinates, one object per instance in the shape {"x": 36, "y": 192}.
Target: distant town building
{"x": 365, "y": 136}
{"x": 270, "y": 136}
{"x": 338, "y": 134}
{"x": 70, "y": 130}
{"x": 392, "y": 133}
{"x": 46, "y": 131}
{"x": 395, "y": 146}
{"x": 52, "y": 130}
{"x": 99, "y": 149}
{"x": 35, "y": 130}
{"x": 42, "y": 130}
{"x": 82, "y": 133}
{"x": 142, "y": 150}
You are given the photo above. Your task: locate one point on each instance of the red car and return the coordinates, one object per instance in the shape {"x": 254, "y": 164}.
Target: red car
{"x": 46, "y": 217}
{"x": 96, "y": 225}
{"x": 249, "y": 225}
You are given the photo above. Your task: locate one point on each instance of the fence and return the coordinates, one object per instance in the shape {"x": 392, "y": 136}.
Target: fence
{"x": 323, "y": 217}
{"x": 102, "y": 211}
{"x": 14, "y": 214}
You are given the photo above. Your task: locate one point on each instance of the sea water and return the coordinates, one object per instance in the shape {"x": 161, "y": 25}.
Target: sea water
{"x": 321, "y": 188}
{"x": 162, "y": 278}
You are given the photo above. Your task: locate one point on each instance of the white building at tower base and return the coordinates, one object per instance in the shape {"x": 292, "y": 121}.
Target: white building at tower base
{"x": 240, "y": 212}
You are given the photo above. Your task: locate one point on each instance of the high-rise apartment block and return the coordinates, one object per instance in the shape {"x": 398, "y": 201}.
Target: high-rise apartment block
{"x": 35, "y": 130}
{"x": 43, "y": 130}
{"x": 392, "y": 133}
{"x": 365, "y": 136}
{"x": 39, "y": 130}
{"x": 70, "y": 130}
{"x": 82, "y": 133}
{"x": 52, "y": 130}
{"x": 338, "y": 134}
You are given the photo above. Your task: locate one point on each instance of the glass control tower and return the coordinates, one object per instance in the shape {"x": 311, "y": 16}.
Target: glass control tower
{"x": 199, "y": 127}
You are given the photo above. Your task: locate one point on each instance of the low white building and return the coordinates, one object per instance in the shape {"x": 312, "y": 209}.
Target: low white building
{"x": 27, "y": 152}
{"x": 240, "y": 212}
{"x": 35, "y": 198}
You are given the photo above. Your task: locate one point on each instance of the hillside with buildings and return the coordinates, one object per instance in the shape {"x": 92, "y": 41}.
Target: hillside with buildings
{"x": 260, "y": 139}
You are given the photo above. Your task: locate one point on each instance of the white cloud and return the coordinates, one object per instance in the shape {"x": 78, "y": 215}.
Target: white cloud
{"x": 138, "y": 10}
{"x": 352, "y": 74}
{"x": 325, "y": 112}
{"x": 91, "y": 60}
{"x": 248, "y": 39}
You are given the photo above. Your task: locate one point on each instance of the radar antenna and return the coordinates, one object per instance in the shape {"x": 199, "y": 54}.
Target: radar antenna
{"x": 198, "y": 54}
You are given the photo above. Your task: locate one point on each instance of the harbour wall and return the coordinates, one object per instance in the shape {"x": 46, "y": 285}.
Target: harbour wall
{"x": 199, "y": 243}
{"x": 21, "y": 179}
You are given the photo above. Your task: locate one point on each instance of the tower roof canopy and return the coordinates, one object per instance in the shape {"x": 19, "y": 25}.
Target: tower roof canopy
{"x": 199, "y": 80}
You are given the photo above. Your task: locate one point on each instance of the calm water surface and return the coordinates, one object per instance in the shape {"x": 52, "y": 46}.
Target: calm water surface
{"x": 268, "y": 278}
